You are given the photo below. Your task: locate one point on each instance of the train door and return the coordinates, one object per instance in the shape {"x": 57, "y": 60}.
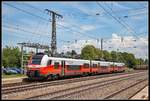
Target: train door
{"x": 63, "y": 68}
{"x": 91, "y": 66}
{"x": 99, "y": 68}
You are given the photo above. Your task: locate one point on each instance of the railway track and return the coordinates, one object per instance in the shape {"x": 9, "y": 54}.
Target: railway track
{"x": 76, "y": 90}
{"x": 14, "y": 84}
{"x": 128, "y": 89}
{"x": 26, "y": 81}
{"x": 28, "y": 86}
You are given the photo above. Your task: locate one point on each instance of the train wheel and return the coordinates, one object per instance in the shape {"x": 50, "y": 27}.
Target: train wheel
{"x": 56, "y": 76}
{"x": 50, "y": 77}
{"x": 84, "y": 74}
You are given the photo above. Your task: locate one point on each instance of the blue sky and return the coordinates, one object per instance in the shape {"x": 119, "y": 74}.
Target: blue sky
{"x": 87, "y": 22}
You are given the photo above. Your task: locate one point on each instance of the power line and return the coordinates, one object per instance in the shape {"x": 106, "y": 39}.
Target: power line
{"x": 127, "y": 27}
{"x": 59, "y": 24}
{"x": 25, "y": 11}
{"x": 128, "y": 10}
{"x": 29, "y": 5}
{"x": 38, "y": 16}
{"x": 17, "y": 28}
{"x": 47, "y": 20}
{"x": 136, "y": 14}
{"x": 71, "y": 30}
{"x": 26, "y": 37}
{"x": 20, "y": 29}
{"x": 131, "y": 10}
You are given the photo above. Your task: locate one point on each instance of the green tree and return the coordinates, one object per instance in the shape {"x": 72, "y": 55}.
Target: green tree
{"x": 11, "y": 56}
{"x": 139, "y": 61}
{"x": 120, "y": 57}
{"x": 98, "y": 53}
{"x": 114, "y": 55}
{"x": 130, "y": 60}
{"x": 88, "y": 52}
{"x": 106, "y": 55}
{"x": 146, "y": 61}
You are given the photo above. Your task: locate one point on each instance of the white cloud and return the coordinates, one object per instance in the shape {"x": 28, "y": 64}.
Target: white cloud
{"x": 120, "y": 6}
{"x": 88, "y": 27}
{"x": 113, "y": 43}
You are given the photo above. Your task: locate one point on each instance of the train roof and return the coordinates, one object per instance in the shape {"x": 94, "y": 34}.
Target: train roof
{"x": 119, "y": 64}
{"x": 103, "y": 63}
{"x": 67, "y": 59}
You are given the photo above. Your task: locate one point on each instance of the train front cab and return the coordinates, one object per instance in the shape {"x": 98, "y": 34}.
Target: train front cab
{"x": 41, "y": 67}
{"x": 34, "y": 66}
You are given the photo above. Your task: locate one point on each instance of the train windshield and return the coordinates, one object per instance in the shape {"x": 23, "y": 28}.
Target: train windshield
{"x": 36, "y": 59}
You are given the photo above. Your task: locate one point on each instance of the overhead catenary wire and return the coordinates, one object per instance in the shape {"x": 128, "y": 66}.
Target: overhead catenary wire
{"x": 17, "y": 28}
{"x": 71, "y": 30}
{"x": 47, "y": 20}
{"x": 127, "y": 27}
{"x": 24, "y": 37}
{"x": 50, "y": 21}
{"x": 77, "y": 32}
{"x": 136, "y": 14}
{"x": 121, "y": 20}
{"x": 17, "y": 34}
{"x": 26, "y": 31}
{"x": 32, "y": 35}
{"x": 25, "y": 11}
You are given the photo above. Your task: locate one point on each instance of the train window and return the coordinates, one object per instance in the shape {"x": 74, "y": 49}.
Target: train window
{"x": 56, "y": 65}
{"x": 94, "y": 65}
{"x": 49, "y": 62}
{"x": 73, "y": 67}
{"x": 86, "y": 65}
{"x": 104, "y": 66}
{"x": 36, "y": 59}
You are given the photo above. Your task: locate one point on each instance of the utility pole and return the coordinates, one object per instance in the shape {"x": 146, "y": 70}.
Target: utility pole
{"x": 102, "y": 46}
{"x": 53, "y": 41}
{"x": 22, "y": 57}
{"x": 117, "y": 55}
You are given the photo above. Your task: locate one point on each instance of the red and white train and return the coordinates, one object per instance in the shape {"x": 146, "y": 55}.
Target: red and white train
{"x": 41, "y": 66}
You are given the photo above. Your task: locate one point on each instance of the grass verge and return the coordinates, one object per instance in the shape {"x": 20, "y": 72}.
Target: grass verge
{"x": 13, "y": 75}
